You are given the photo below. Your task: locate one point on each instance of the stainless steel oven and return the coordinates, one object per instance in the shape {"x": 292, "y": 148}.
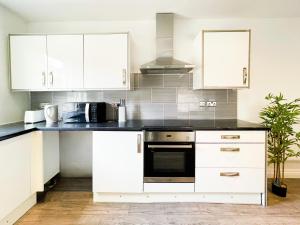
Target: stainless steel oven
{"x": 169, "y": 157}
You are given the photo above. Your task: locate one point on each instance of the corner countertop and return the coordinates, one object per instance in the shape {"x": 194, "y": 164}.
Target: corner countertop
{"x": 15, "y": 129}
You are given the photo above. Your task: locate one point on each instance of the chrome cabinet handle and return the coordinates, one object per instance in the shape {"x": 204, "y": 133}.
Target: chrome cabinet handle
{"x": 44, "y": 78}
{"x": 124, "y": 72}
{"x": 87, "y": 112}
{"x": 245, "y": 76}
{"x": 139, "y": 143}
{"x": 229, "y": 174}
{"x": 229, "y": 149}
{"x": 230, "y": 137}
{"x": 51, "y": 78}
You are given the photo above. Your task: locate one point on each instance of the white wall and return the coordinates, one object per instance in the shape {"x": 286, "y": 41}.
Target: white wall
{"x": 12, "y": 104}
{"x": 275, "y": 52}
{"x": 75, "y": 154}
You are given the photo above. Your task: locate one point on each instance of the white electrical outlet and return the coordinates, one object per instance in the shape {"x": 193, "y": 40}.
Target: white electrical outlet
{"x": 202, "y": 103}
{"x": 211, "y": 104}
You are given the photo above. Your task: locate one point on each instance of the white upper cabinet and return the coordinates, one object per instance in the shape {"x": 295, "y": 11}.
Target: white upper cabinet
{"x": 118, "y": 162}
{"x": 46, "y": 62}
{"x": 65, "y": 61}
{"x": 106, "y": 61}
{"x": 28, "y": 61}
{"x": 224, "y": 62}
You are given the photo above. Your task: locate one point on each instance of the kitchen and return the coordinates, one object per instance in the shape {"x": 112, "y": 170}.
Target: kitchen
{"x": 204, "y": 112}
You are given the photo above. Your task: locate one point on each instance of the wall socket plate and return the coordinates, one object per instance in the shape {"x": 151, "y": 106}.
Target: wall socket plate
{"x": 202, "y": 103}
{"x": 211, "y": 103}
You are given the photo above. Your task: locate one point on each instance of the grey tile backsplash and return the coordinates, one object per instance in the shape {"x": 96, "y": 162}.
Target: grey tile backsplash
{"x": 155, "y": 97}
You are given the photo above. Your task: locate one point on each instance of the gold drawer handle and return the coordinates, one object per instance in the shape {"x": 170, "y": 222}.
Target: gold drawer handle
{"x": 230, "y": 149}
{"x": 230, "y": 137}
{"x": 229, "y": 174}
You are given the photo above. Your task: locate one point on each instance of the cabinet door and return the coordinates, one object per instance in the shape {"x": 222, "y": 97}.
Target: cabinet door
{"x": 226, "y": 59}
{"x": 106, "y": 61}
{"x": 65, "y": 61}
{"x": 15, "y": 166}
{"x": 28, "y": 58}
{"x": 117, "y": 162}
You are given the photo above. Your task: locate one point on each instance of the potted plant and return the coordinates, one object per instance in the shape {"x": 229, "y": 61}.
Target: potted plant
{"x": 280, "y": 116}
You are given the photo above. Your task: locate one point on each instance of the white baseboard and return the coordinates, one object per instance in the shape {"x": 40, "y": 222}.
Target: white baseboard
{"x": 289, "y": 173}
{"x": 19, "y": 211}
{"x": 292, "y": 169}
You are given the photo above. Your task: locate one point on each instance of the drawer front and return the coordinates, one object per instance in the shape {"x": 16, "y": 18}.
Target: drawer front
{"x": 230, "y": 136}
{"x": 230, "y": 180}
{"x": 230, "y": 155}
{"x": 169, "y": 187}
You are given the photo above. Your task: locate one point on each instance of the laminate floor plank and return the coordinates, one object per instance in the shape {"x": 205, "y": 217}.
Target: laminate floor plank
{"x": 68, "y": 207}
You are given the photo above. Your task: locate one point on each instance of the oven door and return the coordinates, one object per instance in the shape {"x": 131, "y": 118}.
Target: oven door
{"x": 170, "y": 162}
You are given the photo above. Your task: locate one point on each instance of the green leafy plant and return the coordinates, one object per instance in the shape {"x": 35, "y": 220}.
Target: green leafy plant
{"x": 280, "y": 116}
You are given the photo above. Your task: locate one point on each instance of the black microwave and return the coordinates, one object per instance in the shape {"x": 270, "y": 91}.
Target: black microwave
{"x": 84, "y": 112}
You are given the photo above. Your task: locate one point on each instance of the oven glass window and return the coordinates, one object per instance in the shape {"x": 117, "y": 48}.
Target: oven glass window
{"x": 169, "y": 162}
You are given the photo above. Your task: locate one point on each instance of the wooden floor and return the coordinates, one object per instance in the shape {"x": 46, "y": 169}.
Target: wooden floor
{"x": 77, "y": 207}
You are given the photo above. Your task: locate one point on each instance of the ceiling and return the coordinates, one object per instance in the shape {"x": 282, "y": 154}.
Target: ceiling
{"x": 74, "y": 10}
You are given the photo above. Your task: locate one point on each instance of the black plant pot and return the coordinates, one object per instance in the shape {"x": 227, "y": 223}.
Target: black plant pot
{"x": 279, "y": 190}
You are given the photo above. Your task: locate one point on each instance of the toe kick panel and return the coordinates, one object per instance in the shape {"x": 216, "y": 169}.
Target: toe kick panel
{"x": 169, "y": 187}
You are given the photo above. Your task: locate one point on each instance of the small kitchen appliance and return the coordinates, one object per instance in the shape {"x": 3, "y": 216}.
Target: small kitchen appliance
{"x": 34, "y": 116}
{"x": 84, "y": 112}
{"x": 51, "y": 113}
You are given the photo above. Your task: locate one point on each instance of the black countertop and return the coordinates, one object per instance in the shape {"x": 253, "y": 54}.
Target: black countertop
{"x": 15, "y": 129}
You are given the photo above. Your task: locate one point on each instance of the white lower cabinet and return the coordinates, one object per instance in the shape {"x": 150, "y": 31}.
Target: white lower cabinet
{"x": 230, "y": 180}
{"x": 15, "y": 172}
{"x": 26, "y": 162}
{"x": 117, "y": 162}
{"x": 231, "y": 164}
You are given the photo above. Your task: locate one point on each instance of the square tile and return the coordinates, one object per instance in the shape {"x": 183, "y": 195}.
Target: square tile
{"x": 140, "y": 95}
{"x": 40, "y": 97}
{"x": 113, "y": 96}
{"x": 214, "y": 95}
{"x": 202, "y": 115}
{"x": 146, "y": 80}
{"x": 226, "y": 110}
{"x": 164, "y": 95}
{"x": 176, "y": 80}
{"x": 133, "y": 112}
{"x": 151, "y": 111}
{"x": 176, "y": 111}
{"x": 187, "y": 95}
{"x": 232, "y": 95}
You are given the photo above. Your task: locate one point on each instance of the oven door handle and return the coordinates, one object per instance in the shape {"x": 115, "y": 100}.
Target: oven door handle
{"x": 170, "y": 146}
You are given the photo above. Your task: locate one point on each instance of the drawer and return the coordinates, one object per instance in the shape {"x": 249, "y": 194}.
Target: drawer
{"x": 231, "y": 136}
{"x": 230, "y": 155}
{"x": 230, "y": 180}
{"x": 169, "y": 187}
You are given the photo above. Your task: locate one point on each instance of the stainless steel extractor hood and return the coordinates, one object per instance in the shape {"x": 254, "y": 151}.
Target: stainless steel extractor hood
{"x": 164, "y": 62}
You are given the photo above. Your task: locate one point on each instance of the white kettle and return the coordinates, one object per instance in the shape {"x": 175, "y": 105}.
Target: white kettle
{"x": 51, "y": 113}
